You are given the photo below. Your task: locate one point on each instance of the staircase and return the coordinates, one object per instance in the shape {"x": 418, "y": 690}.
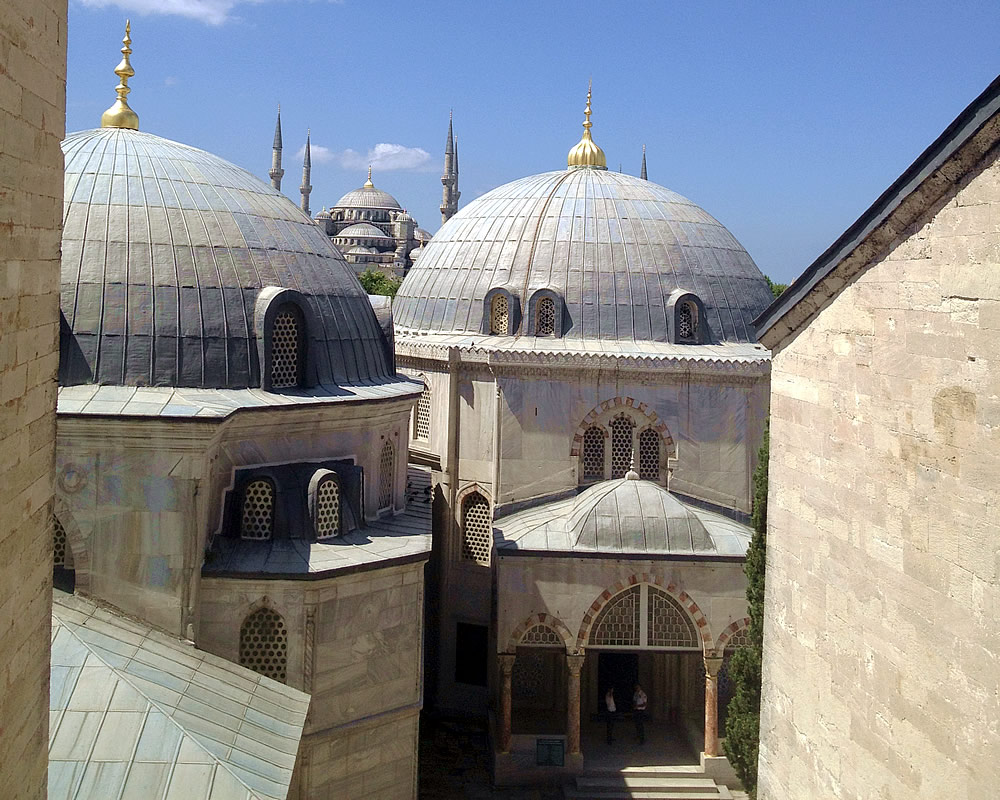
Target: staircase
{"x": 646, "y": 783}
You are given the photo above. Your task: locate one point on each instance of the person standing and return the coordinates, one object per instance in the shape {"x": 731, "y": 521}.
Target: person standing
{"x": 639, "y": 703}
{"x": 609, "y": 702}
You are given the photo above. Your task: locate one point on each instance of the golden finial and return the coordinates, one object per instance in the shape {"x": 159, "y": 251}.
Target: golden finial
{"x": 120, "y": 115}
{"x": 585, "y": 153}
{"x": 368, "y": 183}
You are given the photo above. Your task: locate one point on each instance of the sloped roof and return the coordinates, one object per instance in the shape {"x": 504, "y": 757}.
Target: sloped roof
{"x": 136, "y": 713}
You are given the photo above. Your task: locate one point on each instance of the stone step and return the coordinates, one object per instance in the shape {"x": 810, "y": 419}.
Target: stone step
{"x": 640, "y": 782}
{"x": 722, "y": 793}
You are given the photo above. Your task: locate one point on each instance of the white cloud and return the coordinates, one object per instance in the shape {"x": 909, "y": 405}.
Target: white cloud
{"x": 211, "y": 12}
{"x": 383, "y": 157}
{"x": 170, "y": 80}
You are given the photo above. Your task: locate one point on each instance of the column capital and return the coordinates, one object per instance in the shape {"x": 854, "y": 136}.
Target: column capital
{"x": 713, "y": 663}
{"x": 507, "y": 662}
{"x": 574, "y": 663}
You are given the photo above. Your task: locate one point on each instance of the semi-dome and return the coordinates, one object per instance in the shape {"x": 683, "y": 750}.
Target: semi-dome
{"x": 362, "y": 230}
{"x": 613, "y": 249}
{"x": 169, "y": 255}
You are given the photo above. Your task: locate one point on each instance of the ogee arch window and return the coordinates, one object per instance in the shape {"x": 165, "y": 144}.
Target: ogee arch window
{"x": 545, "y": 323}
{"x": 386, "y": 468}
{"x": 476, "y": 529}
{"x": 257, "y": 521}
{"x": 264, "y": 644}
{"x": 287, "y": 336}
{"x": 327, "y": 520}
{"x": 499, "y": 315}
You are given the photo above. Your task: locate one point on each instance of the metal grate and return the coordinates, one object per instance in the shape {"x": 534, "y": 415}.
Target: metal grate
{"x": 59, "y": 548}
{"x": 668, "y": 625}
{"x": 739, "y": 639}
{"x": 687, "y": 324}
{"x": 618, "y": 622}
{"x": 499, "y": 315}
{"x": 264, "y": 644}
{"x": 423, "y": 420}
{"x": 258, "y": 510}
{"x": 546, "y": 322}
{"x": 593, "y": 453}
{"x": 541, "y": 636}
{"x": 649, "y": 455}
{"x": 528, "y": 678}
{"x": 621, "y": 445}
{"x": 285, "y": 350}
{"x": 386, "y": 467}
{"x": 476, "y": 529}
{"x": 327, "y": 509}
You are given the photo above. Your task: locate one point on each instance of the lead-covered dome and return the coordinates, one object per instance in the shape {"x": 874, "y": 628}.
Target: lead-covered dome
{"x": 612, "y": 248}
{"x": 165, "y": 252}
{"x": 368, "y": 197}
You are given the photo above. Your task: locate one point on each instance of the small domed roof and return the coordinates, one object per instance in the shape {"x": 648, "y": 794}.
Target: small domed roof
{"x": 361, "y": 250}
{"x": 363, "y": 230}
{"x": 368, "y": 197}
{"x": 165, "y": 250}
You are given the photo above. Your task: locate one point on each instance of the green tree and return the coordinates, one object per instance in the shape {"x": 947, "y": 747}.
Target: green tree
{"x": 375, "y": 282}
{"x": 776, "y": 288}
{"x": 743, "y": 714}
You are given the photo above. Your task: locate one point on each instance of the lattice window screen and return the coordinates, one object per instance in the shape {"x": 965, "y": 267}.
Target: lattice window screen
{"x": 423, "y": 419}
{"x": 621, "y": 445}
{"x": 477, "y": 533}
{"x": 618, "y": 622}
{"x": 668, "y": 624}
{"x": 540, "y": 636}
{"x": 60, "y": 549}
{"x": 687, "y": 322}
{"x": 327, "y": 509}
{"x": 264, "y": 644}
{"x": 649, "y": 455}
{"x": 386, "y": 468}
{"x": 258, "y": 510}
{"x": 738, "y": 639}
{"x": 285, "y": 350}
{"x": 499, "y": 315}
{"x": 546, "y": 323}
{"x": 528, "y": 678}
{"x": 593, "y": 453}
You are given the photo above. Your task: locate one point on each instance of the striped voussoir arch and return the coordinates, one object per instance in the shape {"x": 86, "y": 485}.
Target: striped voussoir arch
{"x": 595, "y": 413}
{"x": 548, "y": 621}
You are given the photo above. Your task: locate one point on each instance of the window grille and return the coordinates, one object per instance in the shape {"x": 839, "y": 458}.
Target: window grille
{"x": 386, "y": 465}
{"x": 739, "y": 639}
{"x": 687, "y": 322}
{"x": 258, "y": 510}
{"x": 546, "y": 322}
{"x": 477, "y": 533}
{"x": 423, "y": 420}
{"x": 621, "y": 445}
{"x": 593, "y": 453}
{"x": 264, "y": 644}
{"x": 59, "y": 547}
{"x": 541, "y": 636}
{"x": 528, "y": 680}
{"x": 668, "y": 624}
{"x": 499, "y": 315}
{"x": 649, "y": 455}
{"x": 285, "y": 350}
{"x": 618, "y": 622}
{"x": 327, "y": 509}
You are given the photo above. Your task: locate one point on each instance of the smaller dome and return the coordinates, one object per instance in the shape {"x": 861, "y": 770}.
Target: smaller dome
{"x": 421, "y": 235}
{"x": 362, "y": 230}
{"x": 361, "y": 250}
{"x": 324, "y": 214}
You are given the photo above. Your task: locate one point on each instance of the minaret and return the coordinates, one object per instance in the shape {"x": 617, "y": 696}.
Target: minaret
{"x": 449, "y": 197}
{"x": 276, "y": 172}
{"x": 306, "y": 188}
{"x": 120, "y": 115}
{"x": 642, "y": 172}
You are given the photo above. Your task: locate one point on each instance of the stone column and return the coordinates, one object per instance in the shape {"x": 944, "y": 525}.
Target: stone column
{"x": 574, "y": 665}
{"x": 507, "y": 669}
{"x": 712, "y": 665}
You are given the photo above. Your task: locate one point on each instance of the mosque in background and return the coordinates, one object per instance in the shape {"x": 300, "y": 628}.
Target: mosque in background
{"x": 369, "y": 226}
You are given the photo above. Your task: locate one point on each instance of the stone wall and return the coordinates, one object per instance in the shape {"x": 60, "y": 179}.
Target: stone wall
{"x": 32, "y": 115}
{"x": 882, "y": 649}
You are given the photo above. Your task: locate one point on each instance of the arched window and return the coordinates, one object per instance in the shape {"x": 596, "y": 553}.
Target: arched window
{"x": 386, "y": 467}
{"x": 593, "y": 453}
{"x": 422, "y": 421}
{"x": 545, "y": 323}
{"x": 649, "y": 455}
{"x": 477, "y": 532}
{"x": 287, "y": 336}
{"x": 668, "y": 625}
{"x": 499, "y": 315}
{"x": 264, "y": 644}
{"x": 621, "y": 445}
{"x": 617, "y": 624}
{"x": 258, "y": 510}
{"x": 540, "y": 636}
{"x": 687, "y": 322}
{"x": 327, "y": 521}
{"x": 60, "y": 547}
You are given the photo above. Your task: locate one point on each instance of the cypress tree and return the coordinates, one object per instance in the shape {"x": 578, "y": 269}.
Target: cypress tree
{"x": 743, "y": 715}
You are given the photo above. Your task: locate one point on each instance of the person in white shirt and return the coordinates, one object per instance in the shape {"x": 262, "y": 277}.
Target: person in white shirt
{"x": 639, "y": 703}
{"x": 609, "y": 702}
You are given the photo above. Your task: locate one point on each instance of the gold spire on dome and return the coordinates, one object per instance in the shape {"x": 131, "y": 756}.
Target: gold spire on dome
{"x": 585, "y": 153}
{"x": 120, "y": 115}
{"x": 368, "y": 183}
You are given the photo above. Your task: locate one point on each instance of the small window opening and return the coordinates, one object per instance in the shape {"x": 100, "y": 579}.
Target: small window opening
{"x": 621, "y": 445}
{"x": 258, "y": 510}
{"x": 593, "y": 453}
{"x": 499, "y": 315}
{"x": 423, "y": 420}
{"x": 477, "y": 533}
{"x": 386, "y": 467}
{"x": 327, "y": 509}
{"x": 546, "y": 322}
{"x": 649, "y": 455}
{"x": 285, "y": 356}
{"x": 687, "y": 322}
{"x": 264, "y": 644}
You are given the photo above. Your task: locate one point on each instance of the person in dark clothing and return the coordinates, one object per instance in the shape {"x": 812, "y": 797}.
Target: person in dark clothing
{"x": 609, "y": 702}
{"x": 639, "y": 702}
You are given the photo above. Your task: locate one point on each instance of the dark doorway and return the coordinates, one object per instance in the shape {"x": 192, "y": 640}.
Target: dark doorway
{"x": 621, "y": 671}
{"x": 64, "y": 579}
{"x": 471, "y": 646}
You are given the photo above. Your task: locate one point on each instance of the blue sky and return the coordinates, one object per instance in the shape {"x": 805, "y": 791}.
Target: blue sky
{"x": 784, "y": 120}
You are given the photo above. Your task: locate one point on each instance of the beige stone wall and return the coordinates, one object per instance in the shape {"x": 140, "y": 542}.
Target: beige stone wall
{"x": 32, "y": 117}
{"x": 882, "y": 646}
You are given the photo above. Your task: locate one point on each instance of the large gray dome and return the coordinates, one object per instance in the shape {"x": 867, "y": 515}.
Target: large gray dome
{"x": 612, "y": 246}
{"x": 165, "y": 250}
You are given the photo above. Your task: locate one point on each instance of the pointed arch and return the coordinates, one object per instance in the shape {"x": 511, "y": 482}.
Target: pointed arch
{"x": 733, "y": 629}
{"x": 554, "y": 624}
{"x": 264, "y": 643}
{"x": 76, "y": 543}
{"x": 643, "y": 415}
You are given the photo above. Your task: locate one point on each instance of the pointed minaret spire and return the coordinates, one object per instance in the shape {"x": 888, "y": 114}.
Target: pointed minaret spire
{"x": 449, "y": 198}
{"x": 120, "y": 115}
{"x": 642, "y": 172}
{"x": 306, "y": 187}
{"x": 276, "y": 172}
